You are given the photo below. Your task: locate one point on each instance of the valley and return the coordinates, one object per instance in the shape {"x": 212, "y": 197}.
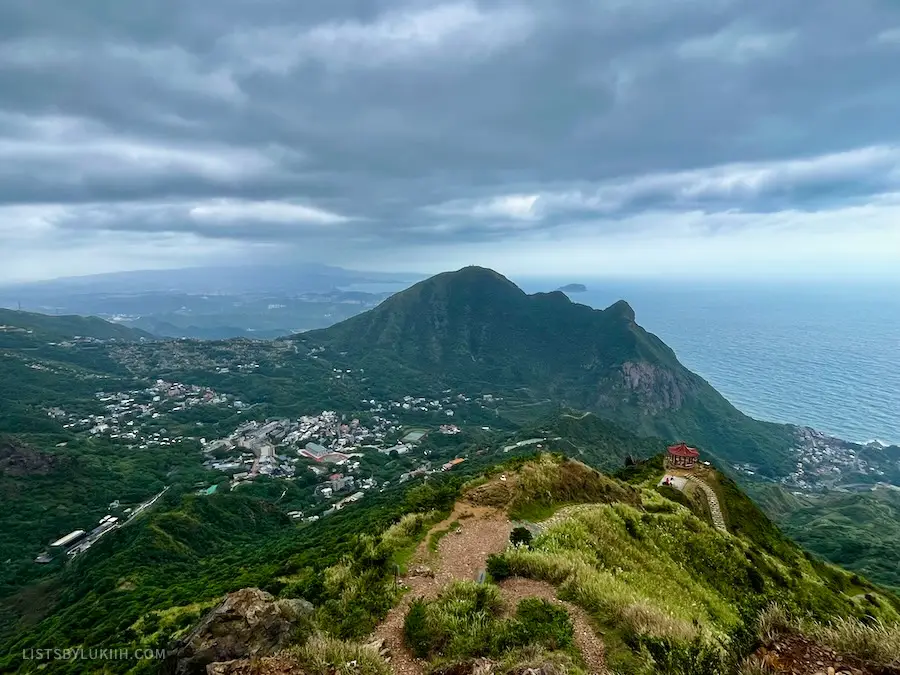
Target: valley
{"x": 258, "y": 461}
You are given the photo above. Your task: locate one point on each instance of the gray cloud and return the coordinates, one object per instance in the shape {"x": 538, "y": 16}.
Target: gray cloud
{"x": 387, "y": 126}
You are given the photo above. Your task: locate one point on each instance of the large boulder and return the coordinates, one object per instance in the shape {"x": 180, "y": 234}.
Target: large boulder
{"x": 247, "y": 624}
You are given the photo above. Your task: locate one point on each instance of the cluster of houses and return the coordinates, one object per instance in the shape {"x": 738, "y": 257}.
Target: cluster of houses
{"x": 126, "y": 415}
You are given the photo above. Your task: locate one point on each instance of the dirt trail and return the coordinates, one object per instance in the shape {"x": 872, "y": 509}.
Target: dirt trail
{"x": 460, "y": 557}
{"x": 590, "y": 646}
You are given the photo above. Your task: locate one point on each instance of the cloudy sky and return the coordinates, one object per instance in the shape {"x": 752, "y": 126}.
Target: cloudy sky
{"x": 720, "y": 137}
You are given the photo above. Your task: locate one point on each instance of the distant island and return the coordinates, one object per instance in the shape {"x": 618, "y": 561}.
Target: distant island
{"x": 573, "y": 288}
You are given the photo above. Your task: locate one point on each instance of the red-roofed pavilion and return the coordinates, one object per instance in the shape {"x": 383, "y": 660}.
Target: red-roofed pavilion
{"x": 682, "y": 456}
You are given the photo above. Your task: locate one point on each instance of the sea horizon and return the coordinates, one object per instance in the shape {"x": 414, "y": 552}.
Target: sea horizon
{"x": 824, "y": 355}
{"x": 819, "y": 354}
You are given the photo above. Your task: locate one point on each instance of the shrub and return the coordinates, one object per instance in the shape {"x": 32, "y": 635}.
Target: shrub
{"x": 498, "y": 567}
{"x": 632, "y": 529}
{"x": 407, "y": 529}
{"x": 773, "y": 621}
{"x": 753, "y": 666}
{"x": 466, "y": 622}
{"x": 685, "y": 658}
{"x": 520, "y": 536}
{"x": 415, "y": 629}
{"x": 459, "y": 623}
{"x": 757, "y": 583}
{"x": 537, "y": 623}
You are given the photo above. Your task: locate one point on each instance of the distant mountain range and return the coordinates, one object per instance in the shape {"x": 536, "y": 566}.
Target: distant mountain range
{"x": 276, "y": 277}
{"x": 256, "y": 301}
{"x": 476, "y": 326}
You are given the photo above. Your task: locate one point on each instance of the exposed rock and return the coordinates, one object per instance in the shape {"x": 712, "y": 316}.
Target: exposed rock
{"x": 18, "y": 460}
{"x": 658, "y": 388}
{"x": 799, "y": 655}
{"x": 235, "y": 667}
{"x": 376, "y": 645}
{"x": 246, "y": 624}
{"x": 488, "y": 667}
{"x": 271, "y": 665}
{"x": 422, "y": 571}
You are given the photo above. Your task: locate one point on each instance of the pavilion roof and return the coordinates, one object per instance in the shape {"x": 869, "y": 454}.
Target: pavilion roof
{"x": 682, "y": 450}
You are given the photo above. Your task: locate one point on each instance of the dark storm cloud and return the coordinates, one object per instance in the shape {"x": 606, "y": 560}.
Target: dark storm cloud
{"x": 404, "y": 121}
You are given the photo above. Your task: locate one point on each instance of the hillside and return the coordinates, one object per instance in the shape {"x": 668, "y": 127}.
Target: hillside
{"x": 146, "y": 584}
{"x": 612, "y": 574}
{"x": 17, "y": 328}
{"x": 476, "y": 326}
{"x": 71, "y": 487}
{"x": 859, "y": 531}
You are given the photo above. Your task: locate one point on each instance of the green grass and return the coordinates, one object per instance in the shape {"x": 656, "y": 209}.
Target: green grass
{"x": 466, "y": 621}
{"x": 547, "y": 483}
{"x": 871, "y": 640}
{"x": 665, "y": 584}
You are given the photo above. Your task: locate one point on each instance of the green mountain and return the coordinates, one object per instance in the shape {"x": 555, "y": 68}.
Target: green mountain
{"x": 48, "y": 361}
{"x": 476, "y": 327}
{"x": 19, "y": 328}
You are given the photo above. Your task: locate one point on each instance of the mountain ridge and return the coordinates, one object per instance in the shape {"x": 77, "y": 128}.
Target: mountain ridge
{"x": 65, "y": 327}
{"x": 476, "y": 325}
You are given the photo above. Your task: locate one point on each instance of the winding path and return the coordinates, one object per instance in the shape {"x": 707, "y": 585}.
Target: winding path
{"x": 714, "y": 509}
{"x": 590, "y": 646}
{"x": 459, "y": 557}
{"x": 462, "y": 556}
{"x": 679, "y": 482}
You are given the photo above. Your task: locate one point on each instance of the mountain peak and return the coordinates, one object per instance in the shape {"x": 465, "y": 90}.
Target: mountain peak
{"x": 473, "y": 275}
{"x": 622, "y": 309}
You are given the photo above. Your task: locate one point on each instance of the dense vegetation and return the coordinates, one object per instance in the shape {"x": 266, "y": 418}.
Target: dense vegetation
{"x": 72, "y": 488}
{"x": 476, "y": 327}
{"x": 147, "y": 582}
{"x": 858, "y": 531}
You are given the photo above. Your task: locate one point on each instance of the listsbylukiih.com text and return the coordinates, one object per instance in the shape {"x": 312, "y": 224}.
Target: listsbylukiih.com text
{"x": 91, "y": 654}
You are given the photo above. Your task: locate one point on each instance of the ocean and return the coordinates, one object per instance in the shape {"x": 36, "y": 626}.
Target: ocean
{"x": 825, "y": 356}
{"x": 820, "y": 355}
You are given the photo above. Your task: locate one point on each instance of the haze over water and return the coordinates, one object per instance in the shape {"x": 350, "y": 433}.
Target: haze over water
{"x": 822, "y": 356}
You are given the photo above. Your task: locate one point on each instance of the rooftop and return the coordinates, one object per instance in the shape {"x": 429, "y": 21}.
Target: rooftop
{"x": 682, "y": 450}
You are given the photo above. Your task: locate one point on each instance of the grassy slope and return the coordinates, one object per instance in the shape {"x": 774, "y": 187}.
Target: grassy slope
{"x": 646, "y": 568}
{"x": 143, "y": 582}
{"x": 656, "y": 574}
{"x": 71, "y": 488}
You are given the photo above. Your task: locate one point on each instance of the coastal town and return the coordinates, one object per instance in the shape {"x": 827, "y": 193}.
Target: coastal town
{"x": 823, "y": 462}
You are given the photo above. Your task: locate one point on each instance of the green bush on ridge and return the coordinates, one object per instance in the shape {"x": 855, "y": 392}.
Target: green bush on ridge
{"x": 465, "y": 621}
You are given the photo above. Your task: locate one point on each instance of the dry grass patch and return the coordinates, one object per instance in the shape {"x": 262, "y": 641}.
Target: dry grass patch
{"x": 322, "y": 655}
{"x": 873, "y": 641}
